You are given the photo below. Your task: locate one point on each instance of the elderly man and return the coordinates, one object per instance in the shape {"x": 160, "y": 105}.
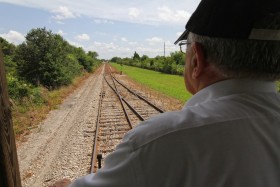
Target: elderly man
{"x": 228, "y": 133}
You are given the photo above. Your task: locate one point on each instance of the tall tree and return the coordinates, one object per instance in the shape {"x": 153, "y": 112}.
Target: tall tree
{"x": 41, "y": 58}
{"x": 178, "y": 57}
{"x": 136, "y": 56}
{"x": 85, "y": 60}
{"x": 144, "y": 57}
{"x": 93, "y": 54}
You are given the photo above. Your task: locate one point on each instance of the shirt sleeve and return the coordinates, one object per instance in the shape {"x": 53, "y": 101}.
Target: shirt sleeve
{"x": 121, "y": 169}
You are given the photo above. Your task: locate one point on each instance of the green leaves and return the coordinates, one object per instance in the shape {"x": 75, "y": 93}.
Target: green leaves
{"x": 173, "y": 64}
{"x": 47, "y": 59}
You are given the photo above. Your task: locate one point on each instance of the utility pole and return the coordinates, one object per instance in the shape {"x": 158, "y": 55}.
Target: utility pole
{"x": 164, "y": 49}
{"x": 9, "y": 169}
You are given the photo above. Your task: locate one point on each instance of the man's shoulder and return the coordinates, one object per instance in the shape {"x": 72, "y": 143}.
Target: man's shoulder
{"x": 218, "y": 111}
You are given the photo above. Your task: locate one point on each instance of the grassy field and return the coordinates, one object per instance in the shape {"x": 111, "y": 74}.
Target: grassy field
{"x": 170, "y": 85}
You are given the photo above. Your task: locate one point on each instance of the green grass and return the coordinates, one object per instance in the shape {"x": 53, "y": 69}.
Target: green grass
{"x": 170, "y": 85}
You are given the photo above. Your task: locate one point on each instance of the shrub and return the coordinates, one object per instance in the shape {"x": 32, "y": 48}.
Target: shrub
{"x": 20, "y": 90}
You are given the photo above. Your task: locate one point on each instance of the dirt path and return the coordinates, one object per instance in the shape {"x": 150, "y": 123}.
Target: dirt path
{"x": 62, "y": 145}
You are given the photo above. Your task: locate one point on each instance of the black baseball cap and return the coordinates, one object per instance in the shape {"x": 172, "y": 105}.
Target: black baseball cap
{"x": 232, "y": 19}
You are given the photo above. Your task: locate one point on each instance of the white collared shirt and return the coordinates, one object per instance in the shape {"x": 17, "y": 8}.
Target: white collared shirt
{"x": 227, "y": 135}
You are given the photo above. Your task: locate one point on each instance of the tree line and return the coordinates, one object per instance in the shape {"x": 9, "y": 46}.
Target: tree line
{"x": 44, "y": 59}
{"x": 173, "y": 64}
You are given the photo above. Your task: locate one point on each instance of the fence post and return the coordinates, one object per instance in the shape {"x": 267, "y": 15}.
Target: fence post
{"x": 9, "y": 168}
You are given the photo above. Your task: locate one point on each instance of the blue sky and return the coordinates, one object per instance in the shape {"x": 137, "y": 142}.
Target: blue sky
{"x": 109, "y": 27}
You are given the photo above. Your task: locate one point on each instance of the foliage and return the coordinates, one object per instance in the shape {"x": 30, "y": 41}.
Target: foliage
{"x": 41, "y": 58}
{"x": 178, "y": 57}
{"x": 7, "y": 48}
{"x": 10, "y": 64}
{"x": 85, "y": 60}
{"x": 19, "y": 90}
{"x": 47, "y": 59}
{"x": 136, "y": 56}
{"x": 144, "y": 57}
{"x": 116, "y": 59}
{"x": 8, "y": 51}
{"x": 37, "y": 71}
{"x": 174, "y": 64}
{"x": 93, "y": 54}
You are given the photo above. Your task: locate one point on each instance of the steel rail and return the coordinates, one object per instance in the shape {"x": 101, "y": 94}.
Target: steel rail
{"x": 121, "y": 100}
{"x": 129, "y": 106}
{"x": 139, "y": 96}
{"x": 133, "y": 110}
{"x": 94, "y": 152}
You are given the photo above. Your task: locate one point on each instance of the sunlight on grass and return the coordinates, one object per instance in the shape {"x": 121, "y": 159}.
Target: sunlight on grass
{"x": 170, "y": 85}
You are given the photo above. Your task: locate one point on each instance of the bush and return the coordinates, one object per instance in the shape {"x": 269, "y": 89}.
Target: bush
{"x": 20, "y": 90}
{"x": 42, "y": 59}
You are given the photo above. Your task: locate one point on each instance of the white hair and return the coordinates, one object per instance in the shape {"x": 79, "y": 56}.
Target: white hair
{"x": 235, "y": 58}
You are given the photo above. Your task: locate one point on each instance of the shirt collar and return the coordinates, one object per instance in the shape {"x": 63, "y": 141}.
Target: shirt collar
{"x": 229, "y": 87}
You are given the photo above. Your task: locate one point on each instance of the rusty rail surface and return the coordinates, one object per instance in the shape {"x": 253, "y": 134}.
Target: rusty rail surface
{"x": 116, "y": 116}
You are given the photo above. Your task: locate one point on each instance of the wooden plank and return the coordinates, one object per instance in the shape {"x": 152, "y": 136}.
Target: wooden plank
{"x": 9, "y": 169}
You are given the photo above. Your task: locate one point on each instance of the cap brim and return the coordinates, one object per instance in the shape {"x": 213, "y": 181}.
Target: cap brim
{"x": 184, "y": 36}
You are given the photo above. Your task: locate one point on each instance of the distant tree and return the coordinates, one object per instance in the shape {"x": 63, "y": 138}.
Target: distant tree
{"x": 178, "y": 57}
{"x": 116, "y": 59}
{"x": 167, "y": 66}
{"x": 85, "y": 60}
{"x": 144, "y": 57}
{"x": 136, "y": 56}
{"x": 173, "y": 64}
{"x": 151, "y": 63}
{"x": 93, "y": 54}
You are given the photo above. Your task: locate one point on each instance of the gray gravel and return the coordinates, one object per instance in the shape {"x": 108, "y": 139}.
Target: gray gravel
{"x": 61, "y": 146}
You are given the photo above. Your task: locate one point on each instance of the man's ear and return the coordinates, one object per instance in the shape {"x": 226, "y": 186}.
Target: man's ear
{"x": 198, "y": 62}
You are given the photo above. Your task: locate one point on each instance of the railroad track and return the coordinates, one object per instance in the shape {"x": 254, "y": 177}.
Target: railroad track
{"x": 120, "y": 110}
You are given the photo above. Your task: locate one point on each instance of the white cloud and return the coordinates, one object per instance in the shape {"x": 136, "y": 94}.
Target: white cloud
{"x": 75, "y": 44}
{"x": 133, "y": 12}
{"x": 154, "y": 40}
{"x": 62, "y": 13}
{"x": 103, "y": 21}
{"x": 161, "y": 17}
{"x": 111, "y": 49}
{"x": 82, "y": 37}
{"x": 101, "y": 33}
{"x": 13, "y": 37}
{"x": 124, "y": 39}
{"x": 133, "y": 43}
{"x": 167, "y": 15}
{"x": 144, "y": 12}
{"x": 61, "y": 33}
